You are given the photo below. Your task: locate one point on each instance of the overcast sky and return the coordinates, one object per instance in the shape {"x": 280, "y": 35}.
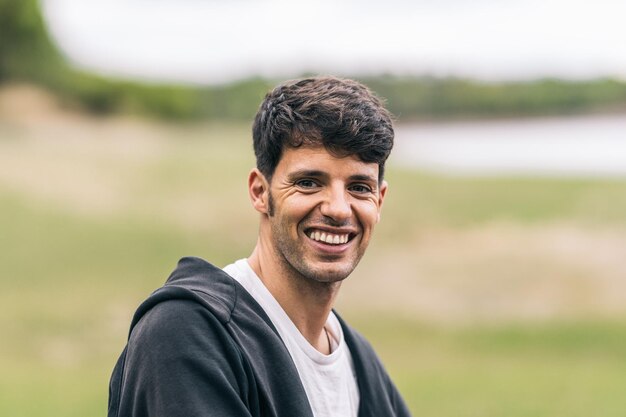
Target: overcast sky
{"x": 209, "y": 41}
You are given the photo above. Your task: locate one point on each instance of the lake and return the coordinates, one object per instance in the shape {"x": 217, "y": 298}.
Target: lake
{"x": 589, "y": 146}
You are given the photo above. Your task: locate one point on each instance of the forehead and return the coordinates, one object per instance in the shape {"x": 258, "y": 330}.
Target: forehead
{"x": 319, "y": 158}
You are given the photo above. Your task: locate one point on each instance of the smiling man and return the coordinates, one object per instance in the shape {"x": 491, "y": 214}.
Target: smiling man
{"x": 260, "y": 337}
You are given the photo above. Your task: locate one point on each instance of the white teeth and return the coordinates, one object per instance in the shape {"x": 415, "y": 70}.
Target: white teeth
{"x": 328, "y": 238}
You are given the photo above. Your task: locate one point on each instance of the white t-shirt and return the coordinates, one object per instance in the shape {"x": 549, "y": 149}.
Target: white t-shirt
{"x": 329, "y": 380}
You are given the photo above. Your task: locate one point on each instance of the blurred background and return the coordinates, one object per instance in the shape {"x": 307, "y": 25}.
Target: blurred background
{"x": 496, "y": 285}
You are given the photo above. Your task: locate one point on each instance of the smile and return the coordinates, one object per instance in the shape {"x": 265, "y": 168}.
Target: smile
{"x": 328, "y": 238}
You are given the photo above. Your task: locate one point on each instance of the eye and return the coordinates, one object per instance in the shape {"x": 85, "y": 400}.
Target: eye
{"x": 361, "y": 188}
{"x": 306, "y": 183}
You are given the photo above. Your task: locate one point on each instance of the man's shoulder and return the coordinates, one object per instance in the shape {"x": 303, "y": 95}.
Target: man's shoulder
{"x": 209, "y": 284}
{"x": 198, "y": 305}
{"x": 197, "y": 281}
{"x": 201, "y": 285}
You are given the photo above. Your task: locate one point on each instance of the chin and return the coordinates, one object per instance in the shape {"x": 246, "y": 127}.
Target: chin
{"x": 327, "y": 272}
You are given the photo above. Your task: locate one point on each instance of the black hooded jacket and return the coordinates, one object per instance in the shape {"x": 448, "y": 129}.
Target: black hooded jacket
{"x": 202, "y": 346}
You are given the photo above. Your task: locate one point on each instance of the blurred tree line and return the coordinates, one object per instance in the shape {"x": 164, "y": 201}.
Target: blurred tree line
{"x": 28, "y": 55}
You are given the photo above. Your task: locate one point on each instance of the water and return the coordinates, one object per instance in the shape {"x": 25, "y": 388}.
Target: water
{"x": 591, "y": 146}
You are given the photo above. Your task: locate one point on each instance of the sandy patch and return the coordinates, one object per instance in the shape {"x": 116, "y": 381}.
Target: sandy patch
{"x": 102, "y": 166}
{"x": 496, "y": 272}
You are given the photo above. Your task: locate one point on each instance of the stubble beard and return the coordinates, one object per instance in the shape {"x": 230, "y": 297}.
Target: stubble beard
{"x": 292, "y": 255}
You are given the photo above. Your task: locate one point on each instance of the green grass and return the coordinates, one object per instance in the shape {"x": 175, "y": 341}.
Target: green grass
{"x": 74, "y": 271}
{"x": 459, "y": 201}
{"x": 567, "y": 369}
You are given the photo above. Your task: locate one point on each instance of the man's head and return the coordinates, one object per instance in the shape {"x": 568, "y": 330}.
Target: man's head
{"x": 341, "y": 115}
{"x": 321, "y": 145}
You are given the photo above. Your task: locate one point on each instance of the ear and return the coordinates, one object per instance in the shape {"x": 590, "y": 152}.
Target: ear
{"x": 381, "y": 197}
{"x": 258, "y": 189}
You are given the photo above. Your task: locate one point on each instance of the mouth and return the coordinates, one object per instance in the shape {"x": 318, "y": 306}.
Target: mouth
{"x": 327, "y": 237}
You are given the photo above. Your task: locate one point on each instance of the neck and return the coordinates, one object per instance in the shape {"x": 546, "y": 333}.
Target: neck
{"x": 307, "y": 302}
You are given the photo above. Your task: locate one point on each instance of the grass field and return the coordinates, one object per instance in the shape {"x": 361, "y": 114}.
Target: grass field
{"x": 484, "y": 297}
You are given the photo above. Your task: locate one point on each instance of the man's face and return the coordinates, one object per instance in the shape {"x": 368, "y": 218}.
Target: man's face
{"x": 323, "y": 211}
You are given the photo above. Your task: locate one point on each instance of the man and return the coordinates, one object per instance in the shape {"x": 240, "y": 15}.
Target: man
{"x": 260, "y": 338}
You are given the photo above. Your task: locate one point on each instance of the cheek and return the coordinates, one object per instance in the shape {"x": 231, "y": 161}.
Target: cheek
{"x": 367, "y": 213}
{"x": 297, "y": 209}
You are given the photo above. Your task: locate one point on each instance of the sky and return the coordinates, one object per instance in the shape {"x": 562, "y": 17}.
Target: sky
{"x": 213, "y": 41}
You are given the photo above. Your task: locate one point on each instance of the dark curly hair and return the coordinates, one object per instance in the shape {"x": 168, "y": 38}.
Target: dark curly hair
{"x": 342, "y": 115}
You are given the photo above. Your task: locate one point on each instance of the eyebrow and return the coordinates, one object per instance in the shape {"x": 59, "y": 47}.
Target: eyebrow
{"x": 306, "y": 173}
{"x": 362, "y": 177}
{"x": 320, "y": 174}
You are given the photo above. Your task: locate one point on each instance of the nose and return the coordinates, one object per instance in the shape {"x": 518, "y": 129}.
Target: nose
{"x": 336, "y": 205}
